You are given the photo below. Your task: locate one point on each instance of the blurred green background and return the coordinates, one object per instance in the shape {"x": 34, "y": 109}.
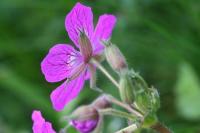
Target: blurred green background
{"x": 160, "y": 38}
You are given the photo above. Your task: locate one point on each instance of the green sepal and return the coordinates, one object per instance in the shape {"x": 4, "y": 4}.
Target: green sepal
{"x": 126, "y": 88}
{"x": 147, "y": 99}
{"x": 150, "y": 120}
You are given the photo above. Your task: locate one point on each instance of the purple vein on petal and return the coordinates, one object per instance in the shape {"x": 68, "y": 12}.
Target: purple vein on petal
{"x": 66, "y": 92}
{"x": 79, "y": 19}
{"x": 59, "y": 62}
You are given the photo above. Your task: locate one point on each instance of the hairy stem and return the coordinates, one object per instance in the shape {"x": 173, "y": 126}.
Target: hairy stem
{"x": 124, "y": 105}
{"x": 128, "y": 129}
{"x": 105, "y": 72}
{"x": 118, "y": 113}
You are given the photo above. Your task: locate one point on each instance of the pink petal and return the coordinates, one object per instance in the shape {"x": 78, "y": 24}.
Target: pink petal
{"x": 60, "y": 62}
{"x": 38, "y": 121}
{"x": 48, "y": 128}
{"x": 103, "y": 30}
{"x": 66, "y": 92}
{"x": 79, "y": 19}
{"x": 39, "y": 124}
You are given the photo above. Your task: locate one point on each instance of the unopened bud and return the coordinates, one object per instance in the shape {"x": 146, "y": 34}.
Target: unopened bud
{"x": 126, "y": 88}
{"x": 148, "y": 100}
{"x": 85, "y": 47}
{"x": 102, "y": 102}
{"x": 114, "y": 57}
{"x": 85, "y": 119}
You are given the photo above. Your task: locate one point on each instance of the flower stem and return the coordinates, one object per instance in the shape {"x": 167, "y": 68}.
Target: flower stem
{"x": 124, "y": 105}
{"x": 118, "y": 113}
{"x": 105, "y": 72}
{"x": 160, "y": 128}
{"x": 128, "y": 129}
{"x": 64, "y": 130}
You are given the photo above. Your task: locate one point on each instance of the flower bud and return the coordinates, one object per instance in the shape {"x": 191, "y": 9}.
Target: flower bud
{"x": 115, "y": 58}
{"x": 148, "y": 100}
{"x": 85, "y": 119}
{"x": 101, "y": 102}
{"x": 85, "y": 46}
{"x": 126, "y": 88}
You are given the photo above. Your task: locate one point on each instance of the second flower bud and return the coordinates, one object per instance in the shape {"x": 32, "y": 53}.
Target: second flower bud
{"x": 115, "y": 58}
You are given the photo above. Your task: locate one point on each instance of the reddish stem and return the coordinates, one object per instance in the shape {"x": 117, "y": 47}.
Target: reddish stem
{"x": 160, "y": 128}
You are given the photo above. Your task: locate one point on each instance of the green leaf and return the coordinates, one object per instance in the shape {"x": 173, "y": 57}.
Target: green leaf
{"x": 187, "y": 93}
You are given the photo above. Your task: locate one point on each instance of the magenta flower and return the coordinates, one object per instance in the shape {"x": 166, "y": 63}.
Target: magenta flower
{"x": 86, "y": 126}
{"x": 86, "y": 119}
{"x": 40, "y": 125}
{"x": 63, "y": 62}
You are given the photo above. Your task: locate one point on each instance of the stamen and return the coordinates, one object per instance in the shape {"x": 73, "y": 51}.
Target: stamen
{"x": 85, "y": 47}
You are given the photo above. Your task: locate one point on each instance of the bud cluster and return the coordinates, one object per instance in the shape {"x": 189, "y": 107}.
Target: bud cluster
{"x": 132, "y": 87}
{"x": 133, "y": 90}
